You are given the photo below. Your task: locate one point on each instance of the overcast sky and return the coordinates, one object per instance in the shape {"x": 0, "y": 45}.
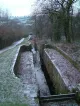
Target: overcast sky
{"x": 18, "y": 7}
{"x": 21, "y": 7}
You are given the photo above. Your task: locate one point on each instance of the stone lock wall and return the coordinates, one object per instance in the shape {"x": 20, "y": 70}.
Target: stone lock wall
{"x": 58, "y": 83}
{"x": 22, "y": 48}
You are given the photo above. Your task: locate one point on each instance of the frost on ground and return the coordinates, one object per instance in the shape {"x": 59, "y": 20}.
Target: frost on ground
{"x": 73, "y": 50}
{"x": 67, "y": 71}
{"x": 32, "y": 77}
{"x": 11, "y": 89}
{"x": 27, "y": 76}
{"x": 12, "y": 46}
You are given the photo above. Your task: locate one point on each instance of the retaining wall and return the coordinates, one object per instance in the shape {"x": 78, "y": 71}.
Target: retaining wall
{"x": 56, "y": 78}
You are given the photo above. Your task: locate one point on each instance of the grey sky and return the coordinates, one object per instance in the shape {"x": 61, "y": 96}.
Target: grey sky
{"x": 18, "y": 7}
{"x": 21, "y": 7}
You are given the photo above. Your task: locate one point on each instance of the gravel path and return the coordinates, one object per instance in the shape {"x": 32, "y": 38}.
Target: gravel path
{"x": 70, "y": 74}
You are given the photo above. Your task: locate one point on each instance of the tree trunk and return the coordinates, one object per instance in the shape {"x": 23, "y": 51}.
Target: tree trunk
{"x": 67, "y": 26}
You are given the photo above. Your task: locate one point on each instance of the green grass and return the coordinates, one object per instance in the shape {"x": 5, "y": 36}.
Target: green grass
{"x": 10, "y": 104}
{"x": 11, "y": 90}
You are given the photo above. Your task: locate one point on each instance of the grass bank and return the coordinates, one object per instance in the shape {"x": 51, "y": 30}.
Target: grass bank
{"x": 11, "y": 90}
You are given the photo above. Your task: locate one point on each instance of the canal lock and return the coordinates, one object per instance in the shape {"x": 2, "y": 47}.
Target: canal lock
{"x": 45, "y": 85}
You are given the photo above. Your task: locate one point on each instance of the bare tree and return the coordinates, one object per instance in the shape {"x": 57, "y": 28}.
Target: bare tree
{"x": 60, "y": 13}
{"x": 10, "y": 29}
